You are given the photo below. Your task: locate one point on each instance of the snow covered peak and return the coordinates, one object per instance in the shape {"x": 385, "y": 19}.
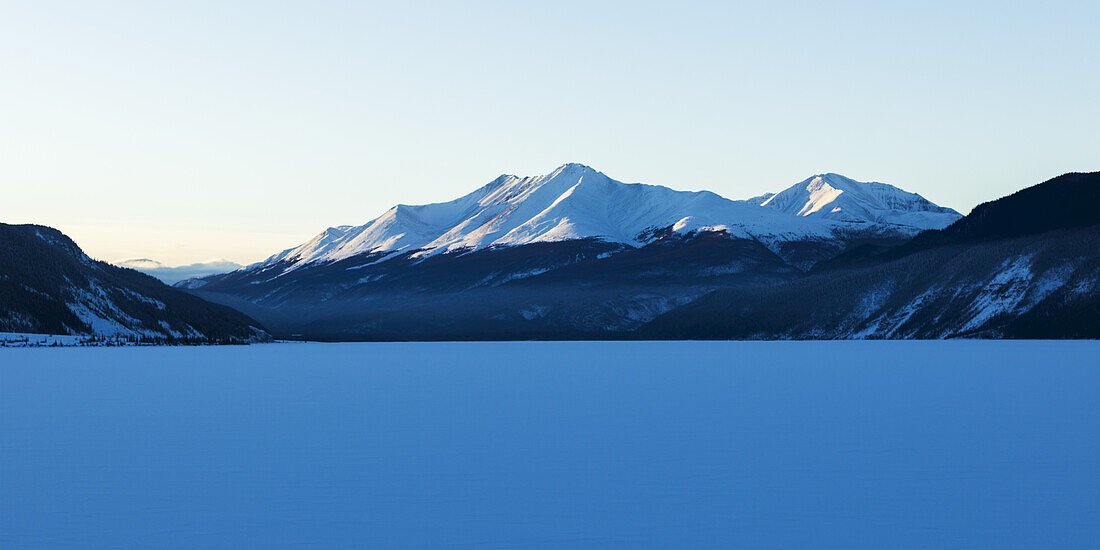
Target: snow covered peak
{"x": 572, "y": 202}
{"x": 575, "y": 201}
{"x": 835, "y": 197}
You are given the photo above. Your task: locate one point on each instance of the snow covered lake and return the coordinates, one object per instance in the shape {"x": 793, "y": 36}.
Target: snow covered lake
{"x": 957, "y": 444}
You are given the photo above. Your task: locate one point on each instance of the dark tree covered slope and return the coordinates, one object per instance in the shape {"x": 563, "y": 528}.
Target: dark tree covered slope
{"x": 48, "y": 285}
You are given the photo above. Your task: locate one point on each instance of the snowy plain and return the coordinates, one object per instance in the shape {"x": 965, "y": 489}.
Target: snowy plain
{"x": 947, "y": 444}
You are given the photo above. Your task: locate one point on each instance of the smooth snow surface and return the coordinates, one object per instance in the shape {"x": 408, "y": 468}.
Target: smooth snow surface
{"x": 576, "y": 201}
{"x": 948, "y": 444}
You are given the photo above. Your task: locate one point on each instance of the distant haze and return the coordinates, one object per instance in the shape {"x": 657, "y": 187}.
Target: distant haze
{"x": 174, "y": 274}
{"x": 187, "y": 131}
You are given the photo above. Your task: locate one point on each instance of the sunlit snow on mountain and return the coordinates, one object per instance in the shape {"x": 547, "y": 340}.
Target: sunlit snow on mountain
{"x": 576, "y": 201}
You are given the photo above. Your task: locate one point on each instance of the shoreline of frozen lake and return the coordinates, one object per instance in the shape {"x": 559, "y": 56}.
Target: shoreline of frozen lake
{"x": 872, "y": 444}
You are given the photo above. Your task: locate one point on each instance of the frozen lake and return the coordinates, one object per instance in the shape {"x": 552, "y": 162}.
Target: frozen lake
{"x": 960, "y": 444}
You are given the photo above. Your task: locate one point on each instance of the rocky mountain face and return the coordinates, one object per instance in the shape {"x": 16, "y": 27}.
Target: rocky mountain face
{"x": 48, "y": 285}
{"x": 569, "y": 254}
{"x": 1024, "y": 266}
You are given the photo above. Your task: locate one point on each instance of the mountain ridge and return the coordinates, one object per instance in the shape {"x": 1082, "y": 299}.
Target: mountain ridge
{"x": 576, "y": 201}
{"x": 568, "y": 254}
{"x": 1022, "y": 266}
{"x": 1064, "y": 202}
{"x": 48, "y": 285}
{"x": 833, "y": 196}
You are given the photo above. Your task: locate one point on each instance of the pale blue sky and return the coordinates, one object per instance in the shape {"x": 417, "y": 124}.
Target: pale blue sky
{"x": 182, "y": 131}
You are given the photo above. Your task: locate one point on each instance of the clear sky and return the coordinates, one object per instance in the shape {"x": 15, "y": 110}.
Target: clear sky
{"x": 183, "y": 131}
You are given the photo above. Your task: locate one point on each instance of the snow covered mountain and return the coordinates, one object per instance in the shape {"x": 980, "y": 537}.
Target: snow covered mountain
{"x": 1023, "y": 266}
{"x": 577, "y": 202}
{"x": 835, "y": 197}
{"x": 570, "y": 254}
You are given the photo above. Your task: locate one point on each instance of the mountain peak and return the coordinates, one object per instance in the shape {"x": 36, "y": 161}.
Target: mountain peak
{"x": 575, "y": 201}
{"x": 838, "y": 197}
{"x": 572, "y": 169}
{"x": 574, "y": 166}
{"x": 837, "y": 181}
